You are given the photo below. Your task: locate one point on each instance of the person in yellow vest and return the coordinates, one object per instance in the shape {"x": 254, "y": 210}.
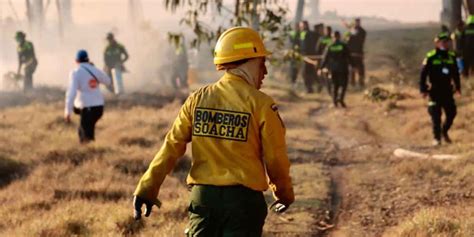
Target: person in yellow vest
{"x": 294, "y": 38}
{"x": 26, "y": 59}
{"x": 324, "y": 41}
{"x": 238, "y": 146}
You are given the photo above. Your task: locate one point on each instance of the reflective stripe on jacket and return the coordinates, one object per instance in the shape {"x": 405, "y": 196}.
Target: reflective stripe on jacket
{"x": 441, "y": 71}
{"x": 237, "y": 139}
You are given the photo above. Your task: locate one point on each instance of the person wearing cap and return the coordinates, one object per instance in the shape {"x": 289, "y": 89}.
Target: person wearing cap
{"x": 26, "y": 58}
{"x": 337, "y": 59}
{"x": 84, "y": 97}
{"x": 467, "y": 46}
{"x": 355, "y": 42}
{"x": 115, "y": 55}
{"x": 439, "y": 80}
{"x": 238, "y": 146}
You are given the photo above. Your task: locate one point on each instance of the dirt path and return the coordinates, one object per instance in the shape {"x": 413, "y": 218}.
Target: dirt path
{"x": 371, "y": 191}
{"x": 344, "y": 146}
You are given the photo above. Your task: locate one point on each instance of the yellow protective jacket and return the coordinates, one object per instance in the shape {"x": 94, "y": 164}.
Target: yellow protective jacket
{"x": 236, "y": 135}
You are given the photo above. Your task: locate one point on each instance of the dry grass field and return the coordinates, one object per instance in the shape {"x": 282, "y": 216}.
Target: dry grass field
{"x": 346, "y": 178}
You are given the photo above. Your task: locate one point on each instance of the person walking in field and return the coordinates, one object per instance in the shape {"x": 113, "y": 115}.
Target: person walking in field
{"x": 238, "y": 146}
{"x": 356, "y": 41}
{"x": 439, "y": 80}
{"x": 323, "y": 42}
{"x": 115, "y": 55}
{"x": 26, "y": 59}
{"x": 180, "y": 67}
{"x": 84, "y": 97}
{"x": 337, "y": 59}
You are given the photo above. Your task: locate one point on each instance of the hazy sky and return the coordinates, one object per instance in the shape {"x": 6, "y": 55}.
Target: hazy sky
{"x": 402, "y": 10}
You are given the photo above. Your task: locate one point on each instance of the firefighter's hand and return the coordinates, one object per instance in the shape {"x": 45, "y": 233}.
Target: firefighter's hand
{"x": 278, "y": 206}
{"x": 137, "y": 206}
{"x": 67, "y": 118}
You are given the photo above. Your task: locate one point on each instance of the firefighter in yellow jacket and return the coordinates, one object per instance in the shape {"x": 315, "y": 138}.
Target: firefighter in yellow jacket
{"x": 238, "y": 146}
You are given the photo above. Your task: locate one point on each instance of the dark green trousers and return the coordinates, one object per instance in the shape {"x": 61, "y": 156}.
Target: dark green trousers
{"x": 226, "y": 211}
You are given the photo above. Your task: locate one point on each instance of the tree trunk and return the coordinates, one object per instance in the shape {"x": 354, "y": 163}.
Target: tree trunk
{"x": 135, "y": 11}
{"x": 451, "y": 14}
{"x": 29, "y": 14}
{"x": 237, "y": 9}
{"x": 60, "y": 18}
{"x": 66, "y": 12}
{"x": 470, "y": 6}
{"x": 299, "y": 11}
{"x": 254, "y": 18}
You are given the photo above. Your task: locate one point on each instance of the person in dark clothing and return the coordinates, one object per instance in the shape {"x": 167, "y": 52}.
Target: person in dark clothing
{"x": 308, "y": 47}
{"x": 115, "y": 55}
{"x": 467, "y": 47}
{"x": 337, "y": 59}
{"x": 318, "y": 30}
{"x": 26, "y": 57}
{"x": 323, "y": 42}
{"x": 356, "y": 41}
{"x": 438, "y": 75}
{"x": 89, "y": 118}
{"x": 294, "y": 59}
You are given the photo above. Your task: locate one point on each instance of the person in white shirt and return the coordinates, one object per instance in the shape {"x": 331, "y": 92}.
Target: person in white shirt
{"x": 84, "y": 97}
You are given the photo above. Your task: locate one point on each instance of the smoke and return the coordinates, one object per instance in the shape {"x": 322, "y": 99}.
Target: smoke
{"x": 145, "y": 40}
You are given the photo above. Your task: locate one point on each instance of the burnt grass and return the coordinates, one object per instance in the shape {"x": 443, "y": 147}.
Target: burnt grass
{"x": 130, "y": 226}
{"x": 131, "y": 167}
{"x": 69, "y": 228}
{"x": 11, "y": 170}
{"x": 74, "y": 156}
{"x": 99, "y": 195}
{"x": 136, "y": 141}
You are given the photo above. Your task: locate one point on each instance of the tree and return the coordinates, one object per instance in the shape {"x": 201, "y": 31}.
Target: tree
{"x": 267, "y": 16}
{"x": 299, "y": 11}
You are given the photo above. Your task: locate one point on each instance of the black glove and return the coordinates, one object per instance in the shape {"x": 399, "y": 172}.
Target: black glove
{"x": 137, "y": 206}
{"x": 278, "y": 206}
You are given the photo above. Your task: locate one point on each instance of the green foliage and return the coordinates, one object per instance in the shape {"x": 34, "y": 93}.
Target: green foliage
{"x": 268, "y": 15}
